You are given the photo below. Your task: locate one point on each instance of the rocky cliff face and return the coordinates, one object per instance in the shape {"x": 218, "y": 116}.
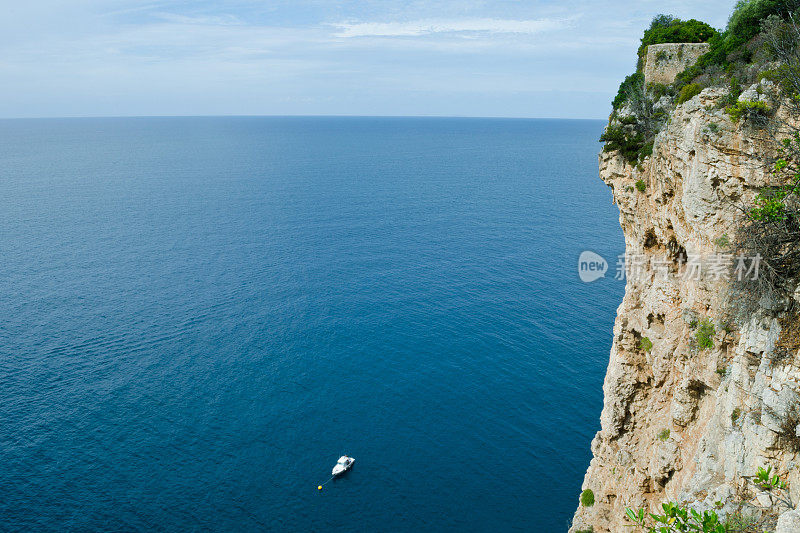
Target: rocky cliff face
{"x": 682, "y": 423}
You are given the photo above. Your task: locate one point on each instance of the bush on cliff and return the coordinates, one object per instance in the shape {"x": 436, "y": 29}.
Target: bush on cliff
{"x": 627, "y": 86}
{"x": 705, "y": 335}
{"x": 676, "y": 518}
{"x": 630, "y": 143}
{"x": 689, "y": 92}
{"x": 755, "y": 112}
{"x": 744, "y": 22}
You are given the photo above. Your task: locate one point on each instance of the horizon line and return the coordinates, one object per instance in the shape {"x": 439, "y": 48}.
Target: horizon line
{"x": 60, "y": 117}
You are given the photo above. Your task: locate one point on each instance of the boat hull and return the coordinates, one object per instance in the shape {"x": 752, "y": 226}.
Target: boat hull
{"x": 341, "y": 469}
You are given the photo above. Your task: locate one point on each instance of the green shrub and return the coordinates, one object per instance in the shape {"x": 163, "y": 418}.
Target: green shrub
{"x": 630, "y": 143}
{"x": 645, "y": 344}
{"x": 705, "y": 335}
{"x": 734, "y": 90}
{"x": 587, "y": 498}
{"x": 767, "y": 482}
{"x": 646, "y": 150}
{"x": 770, "y": 205}
{"x": 738, "y": 521}
{"x": 735, "y": 414}
{"x": 748, "y": 109}
{"x": 641, "y": 186}
{"x": 688, "y": 92}
{"x": 713, "y": 127}
{"x": 676, "y": 518}
{"x": 657, "y": 90}
{"x": 627, "y": 85}
{"x": 663, "y": 435}
{"x": 745, "y": 20}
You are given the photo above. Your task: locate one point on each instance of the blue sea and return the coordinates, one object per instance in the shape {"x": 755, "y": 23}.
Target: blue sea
{"x": 200, "y": 315}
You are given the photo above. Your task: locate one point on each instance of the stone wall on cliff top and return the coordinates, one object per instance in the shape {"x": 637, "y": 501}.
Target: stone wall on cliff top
{"x": 723, "y": 406}
{"x": 663, "y": 62}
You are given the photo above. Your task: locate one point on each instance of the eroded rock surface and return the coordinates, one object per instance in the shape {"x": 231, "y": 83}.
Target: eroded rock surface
{"x": 725, "y": 406}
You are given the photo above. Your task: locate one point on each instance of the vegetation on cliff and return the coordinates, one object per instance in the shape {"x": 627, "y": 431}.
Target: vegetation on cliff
{"x": 632, "y": 132}
{"x": 761, "y": 42}
{"x": 676, "y": 518}
{"x": 770, "y": 228}
{"x": 754, "y": 68}
{"x": 638, "y": 112}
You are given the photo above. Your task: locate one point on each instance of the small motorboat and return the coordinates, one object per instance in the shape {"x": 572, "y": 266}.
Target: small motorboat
{"x": 342, "y": 465}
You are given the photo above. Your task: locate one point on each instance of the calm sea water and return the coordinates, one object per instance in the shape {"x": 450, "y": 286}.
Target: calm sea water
{"x": 199, "y": 315}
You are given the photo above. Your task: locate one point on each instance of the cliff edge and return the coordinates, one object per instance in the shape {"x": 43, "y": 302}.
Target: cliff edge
{"x": 696, "y": 400}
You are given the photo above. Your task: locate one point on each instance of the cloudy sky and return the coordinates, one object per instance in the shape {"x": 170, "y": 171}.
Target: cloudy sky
{"x": 534, "y": 58}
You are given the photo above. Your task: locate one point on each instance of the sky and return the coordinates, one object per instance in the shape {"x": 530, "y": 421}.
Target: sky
{"x": 505, "y": 58}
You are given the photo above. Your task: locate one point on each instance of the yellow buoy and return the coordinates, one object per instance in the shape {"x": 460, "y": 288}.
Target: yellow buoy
{"x": 319, "y": 487}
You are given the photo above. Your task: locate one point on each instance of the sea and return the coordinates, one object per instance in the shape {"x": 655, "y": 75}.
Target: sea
{"x": 199, "y": 315}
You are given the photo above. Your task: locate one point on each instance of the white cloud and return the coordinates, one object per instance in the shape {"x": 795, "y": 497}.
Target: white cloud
{"x": 429, "y": 26}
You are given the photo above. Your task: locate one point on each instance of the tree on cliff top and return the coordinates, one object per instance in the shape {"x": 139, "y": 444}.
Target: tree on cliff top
{"x": 744, "y": 22}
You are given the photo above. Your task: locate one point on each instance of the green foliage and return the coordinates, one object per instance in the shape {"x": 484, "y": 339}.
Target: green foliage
{"x": 748, "y": 109}
{"x": 641, "y": 186}
{"x": 723, "y": 241}
{"x": 766, "y": 482}
{"x": 587, "y": 498}
{"x": 657, "y": 90}
{"x": 731, "y": 45}
{"x": 628, "y": 84}
{"x": 645, "y": 344}
{"x": 646, "y": 150}
{"x": 748, "y": 14}
{"x": 734, "y": 91}
{"x": 688, "y": 92}
{"x": 737, "y": 521}
{"x": 770, "y": 204}
{"x": 663, "y": 435}
{"x": 628, "y": 141}
{"x": 735, "y": 414}
{"x": 676, "y": 518}
{"x": 705, "y": 334}
{"x": 713, "y": 127}
{"x": 769, "y": 74}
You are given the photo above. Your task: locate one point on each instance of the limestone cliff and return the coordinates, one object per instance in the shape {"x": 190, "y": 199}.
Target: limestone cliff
{"x": 682, "y": 423}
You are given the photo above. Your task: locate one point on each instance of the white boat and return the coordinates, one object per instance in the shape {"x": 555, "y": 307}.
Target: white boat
{"x": 342, "y": 465}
